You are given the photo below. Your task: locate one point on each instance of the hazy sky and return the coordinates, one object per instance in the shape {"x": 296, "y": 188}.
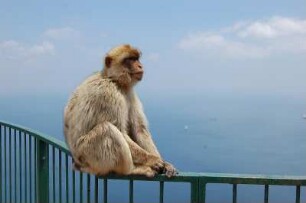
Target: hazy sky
{"x": 48, "y": 47}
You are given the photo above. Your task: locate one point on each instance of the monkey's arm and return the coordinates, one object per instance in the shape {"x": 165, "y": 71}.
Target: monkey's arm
{"x": 144, "y": 139}
{"x": 140, "y": 133}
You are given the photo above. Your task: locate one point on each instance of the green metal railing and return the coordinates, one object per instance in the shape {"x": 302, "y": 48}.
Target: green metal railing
{"x": 37, "y": 168}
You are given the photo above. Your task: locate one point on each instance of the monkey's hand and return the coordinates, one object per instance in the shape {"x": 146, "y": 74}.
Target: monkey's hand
{"x": 156, "y": 163}
{"x": 169, "y": 170}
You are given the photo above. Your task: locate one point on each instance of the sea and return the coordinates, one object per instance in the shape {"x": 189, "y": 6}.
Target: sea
{"x": 214, "y": 133}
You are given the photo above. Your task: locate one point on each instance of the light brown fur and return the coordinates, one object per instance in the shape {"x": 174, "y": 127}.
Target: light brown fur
{"x": 105, "y": 126}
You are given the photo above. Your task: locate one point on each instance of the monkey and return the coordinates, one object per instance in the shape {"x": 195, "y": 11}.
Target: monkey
{"x": 105, "y": 127}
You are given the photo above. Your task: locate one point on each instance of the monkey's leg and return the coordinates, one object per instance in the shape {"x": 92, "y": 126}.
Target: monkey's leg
{"x": 104, "y": 150}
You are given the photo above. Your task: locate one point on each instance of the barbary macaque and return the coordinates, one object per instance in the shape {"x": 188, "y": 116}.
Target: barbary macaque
{"x": 104, "y": 124}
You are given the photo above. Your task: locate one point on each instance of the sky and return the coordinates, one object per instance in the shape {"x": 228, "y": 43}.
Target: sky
{"x": 189, "y": 47}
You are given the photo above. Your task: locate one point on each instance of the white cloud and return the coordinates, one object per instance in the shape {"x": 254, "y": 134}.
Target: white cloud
{"x": 41, "y": 49}
{"x": 16, "y": 50}
{"x": 215, "y": 44}
{"x": 250, "y": 39}
{"x": 274, "y": 27}
{"x": 13, "y": 50}
{"x": 64, "y": 33}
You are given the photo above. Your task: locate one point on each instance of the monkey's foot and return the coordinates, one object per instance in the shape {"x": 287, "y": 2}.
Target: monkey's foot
{"x": 144, "y": 170}
{"x": 155, "y": 163}
{"x": 169, "y": 170}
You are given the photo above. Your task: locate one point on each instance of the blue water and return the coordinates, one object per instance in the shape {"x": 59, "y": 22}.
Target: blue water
{"x": 215, "y": 133}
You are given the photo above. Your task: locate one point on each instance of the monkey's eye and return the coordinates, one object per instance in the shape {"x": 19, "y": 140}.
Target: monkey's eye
{"x": 129, "y": 60}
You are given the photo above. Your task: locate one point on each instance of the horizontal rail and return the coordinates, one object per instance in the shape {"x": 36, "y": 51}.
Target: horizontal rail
{"x": 253, "y": 179}
{"x": 38, "y": 135}
{"x": 221, "y": 178}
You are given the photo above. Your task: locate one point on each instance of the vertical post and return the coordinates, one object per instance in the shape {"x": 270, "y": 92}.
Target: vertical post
{"x": 195, "y": 190}
{"x": 81, "y": 187}
{"x": 131, "y": 191}
{"x": 60, "y": 175}
{"x": 234, "y": 193}
{"x": 202, "y": 189}
{"x": 88, "y": 188}
{"x": 20, "y": 168}
{"x": 73, "y": 186}
{"x": 266, "y": 193}
{"x": 96, "y": 189}
{"x": 35, "y": 171}
{"x": 30, "y": 167}
{"x": 25, "y": 167}
{"x": 298, "y": 194}
{"x": 0, "y": 163}
{"x": 5, "y": 161}
{"x": 53, "y": 173}
{"x": 42, "y": 172}
{"x": 105, "y": 190}
{"x": 67, "y": 180}
{"x": 15, "y": 165}
{"x": 161, "y": 192}
{"x": 10, "y": 164}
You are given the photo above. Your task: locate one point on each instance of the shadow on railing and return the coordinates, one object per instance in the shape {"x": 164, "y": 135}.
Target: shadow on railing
{"x": 35, "y": 167}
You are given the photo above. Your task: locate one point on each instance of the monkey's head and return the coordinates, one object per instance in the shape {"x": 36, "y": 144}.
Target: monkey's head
{"x": 122, "y": 65}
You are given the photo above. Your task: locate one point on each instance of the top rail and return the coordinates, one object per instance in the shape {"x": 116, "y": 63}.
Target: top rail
{"x": 40, "y": 136}
{"x": 254, "y": 179}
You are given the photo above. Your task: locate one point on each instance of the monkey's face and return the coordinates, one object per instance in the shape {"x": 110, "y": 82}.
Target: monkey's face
{"x": 122, "y": 65}
{"x": 134, "y": 67}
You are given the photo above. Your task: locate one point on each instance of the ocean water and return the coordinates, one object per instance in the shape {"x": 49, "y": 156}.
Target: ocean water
{"x": 247, "y": 134}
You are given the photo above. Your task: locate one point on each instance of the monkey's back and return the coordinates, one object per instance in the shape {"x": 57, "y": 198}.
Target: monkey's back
{"x": 95, "y": 100}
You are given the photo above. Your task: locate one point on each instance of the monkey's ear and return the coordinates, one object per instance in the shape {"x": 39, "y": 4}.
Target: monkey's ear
{"x": 108, "y": 61}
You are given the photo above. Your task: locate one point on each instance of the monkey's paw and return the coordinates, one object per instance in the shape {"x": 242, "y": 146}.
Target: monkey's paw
{"x": 169, "y": 170}
{"x": 155, "y": 163}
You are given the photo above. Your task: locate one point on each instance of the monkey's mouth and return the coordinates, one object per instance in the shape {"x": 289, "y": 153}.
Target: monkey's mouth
{"x": 138, "y": 76}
